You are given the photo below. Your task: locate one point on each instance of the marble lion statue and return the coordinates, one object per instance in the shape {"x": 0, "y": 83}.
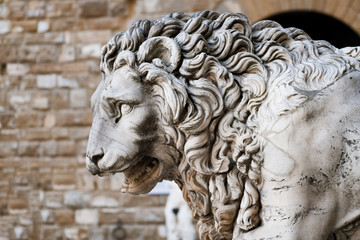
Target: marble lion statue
{"x": 258, "y": 125}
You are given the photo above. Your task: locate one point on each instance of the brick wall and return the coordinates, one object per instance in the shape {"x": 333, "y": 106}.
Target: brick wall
{"x": 49, "y": 57}
{"x": 48, "y": 70}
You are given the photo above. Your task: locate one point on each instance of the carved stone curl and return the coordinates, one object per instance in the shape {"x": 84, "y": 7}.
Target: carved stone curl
{"x": 258, "y": 125}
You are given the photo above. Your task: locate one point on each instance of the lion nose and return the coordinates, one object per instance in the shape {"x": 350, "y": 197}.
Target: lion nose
{"x": 95, "y": 157}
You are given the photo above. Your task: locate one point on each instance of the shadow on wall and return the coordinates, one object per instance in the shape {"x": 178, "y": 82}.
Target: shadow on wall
{"x": 319, "y": 27}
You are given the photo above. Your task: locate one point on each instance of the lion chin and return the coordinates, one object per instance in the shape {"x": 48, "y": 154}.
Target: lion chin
{"x": 143, "y": 176}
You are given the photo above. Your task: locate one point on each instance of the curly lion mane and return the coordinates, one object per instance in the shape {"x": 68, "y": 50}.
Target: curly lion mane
{"x": 216, "y": 97}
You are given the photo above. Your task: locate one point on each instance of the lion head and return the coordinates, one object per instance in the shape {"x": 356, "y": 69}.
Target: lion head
{"x": 182, "y": 99}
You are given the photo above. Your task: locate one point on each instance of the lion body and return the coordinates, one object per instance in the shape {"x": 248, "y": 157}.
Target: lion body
{"x": 259, "y": 126}
{"x": 310, "y": 171}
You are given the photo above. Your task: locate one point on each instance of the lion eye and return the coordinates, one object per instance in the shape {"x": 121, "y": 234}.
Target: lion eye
{"x": 125, "y": 109}
{"x": 122, "y": 109}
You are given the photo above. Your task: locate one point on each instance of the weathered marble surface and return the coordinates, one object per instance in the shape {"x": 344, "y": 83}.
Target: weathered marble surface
{"x": 258, "y": 125}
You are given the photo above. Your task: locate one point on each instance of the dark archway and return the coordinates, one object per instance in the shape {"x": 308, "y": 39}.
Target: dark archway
{"x": 320, "y": 27}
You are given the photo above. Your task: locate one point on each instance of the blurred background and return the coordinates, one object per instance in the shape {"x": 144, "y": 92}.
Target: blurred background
{"x": 49, "y": 57}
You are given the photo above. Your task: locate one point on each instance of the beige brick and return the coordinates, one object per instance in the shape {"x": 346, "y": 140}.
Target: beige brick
{"x": 60, "y": 99}
{"x": 99, "y": 233}
{"x": 93, "y": 67}
{"x": 44, "y": 38}
{"x": 68, "y": 24}
{"x": 5, "y": 26}
{"x": 78, "y": 98}
{"x": 56, "y": 9}
{"x": 28, "y": 149}
{"x": 49, "y": 120}
{"x": 44, "y": 179}
{"x": 36, "y": 9}
{"x": 53, "y": 199}
{"x": 4, "y": 186}
{"x": 355, "y": 5}
{"x": 28, "y": 53}
{"x": 113, "y": 23}
{"x": 21, "y": 180}
{"x": 45, "y": 68}
{"x": 60, "y": 133}
{"x": 74, "y": 118}
{"x": 19, "y": 100}
{"x": 26, "y": 119}
{"x": 8, "y": 82}
{"x": 76, "y": 233}
{"x": 47, "y": 216}
{"x": 2, "y": 100}
{"x": 20, "y": 232}
{"x": 87, "y": 216}
{"x": 8, "y": 149}
{"x": 64, "y": 181}
{"x": 76, "y": 67}
{"x": 17, "y": 69}
{"x": 102, "y": 183}
{"x": 199, "y": 5}
{"x": 67, "y": 53}
{"x": 142, "y": 200}
{"x": 81, "y": 147}
{"x": 51, "y": 232}
{"x": 119, "y": 8}
{"x": 9, "y": 53}
{"x": 36, "y": 134}
{"x": 90, "y": 51}
{"x": 93, "y": 8}
{"x": 67, "y": 82}
{"x": 84, "y": 180}
{"x": 42, "y": 26}
{"x": 146, "y": 215}
{"x": 66, "y": 148}
{"x": 49, "y": 148}
{"x": 77, "y": 199}
{"x": 18, "y": 206}
{"x": 47, "y": 81}
{"x": 47, "y": 53}
{"x": 105, "y": 201}
{"x": 91, "y": 81}
{"x": 147, "y": 232}
{"x": 27, "y": 82}
{"x": 64, "y": 216}
{"x": 98, "y": 36}
{"x": 4, "y": 10}
{"x": 79, "y": 133}
{"x": 12, "y": 39}
{"x": 16, "y": 9}
{"x": 8, "y": 170}
{"x": 112, "y": 215}
{"x": 116, "y": 182}
{"x": 40, "y": 100}
{"x": 151, "y": 215}
{"x": 26, "y": 220}
{"x": 8, "y": 135}
{"x": 24, "y": 26}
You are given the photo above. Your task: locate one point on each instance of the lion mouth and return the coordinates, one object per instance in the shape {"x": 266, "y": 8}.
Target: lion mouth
{"x": 142, "y": 176}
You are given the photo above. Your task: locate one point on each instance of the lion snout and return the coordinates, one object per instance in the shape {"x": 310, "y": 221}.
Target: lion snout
{"x": 92, "y": 160}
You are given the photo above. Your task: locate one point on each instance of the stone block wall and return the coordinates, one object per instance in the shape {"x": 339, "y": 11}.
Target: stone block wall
{"x": 50, "y": 53}
{"x": 49, "y": 57}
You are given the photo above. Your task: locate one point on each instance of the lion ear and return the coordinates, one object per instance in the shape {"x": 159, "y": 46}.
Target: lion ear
{"x": 163, "y": 52}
